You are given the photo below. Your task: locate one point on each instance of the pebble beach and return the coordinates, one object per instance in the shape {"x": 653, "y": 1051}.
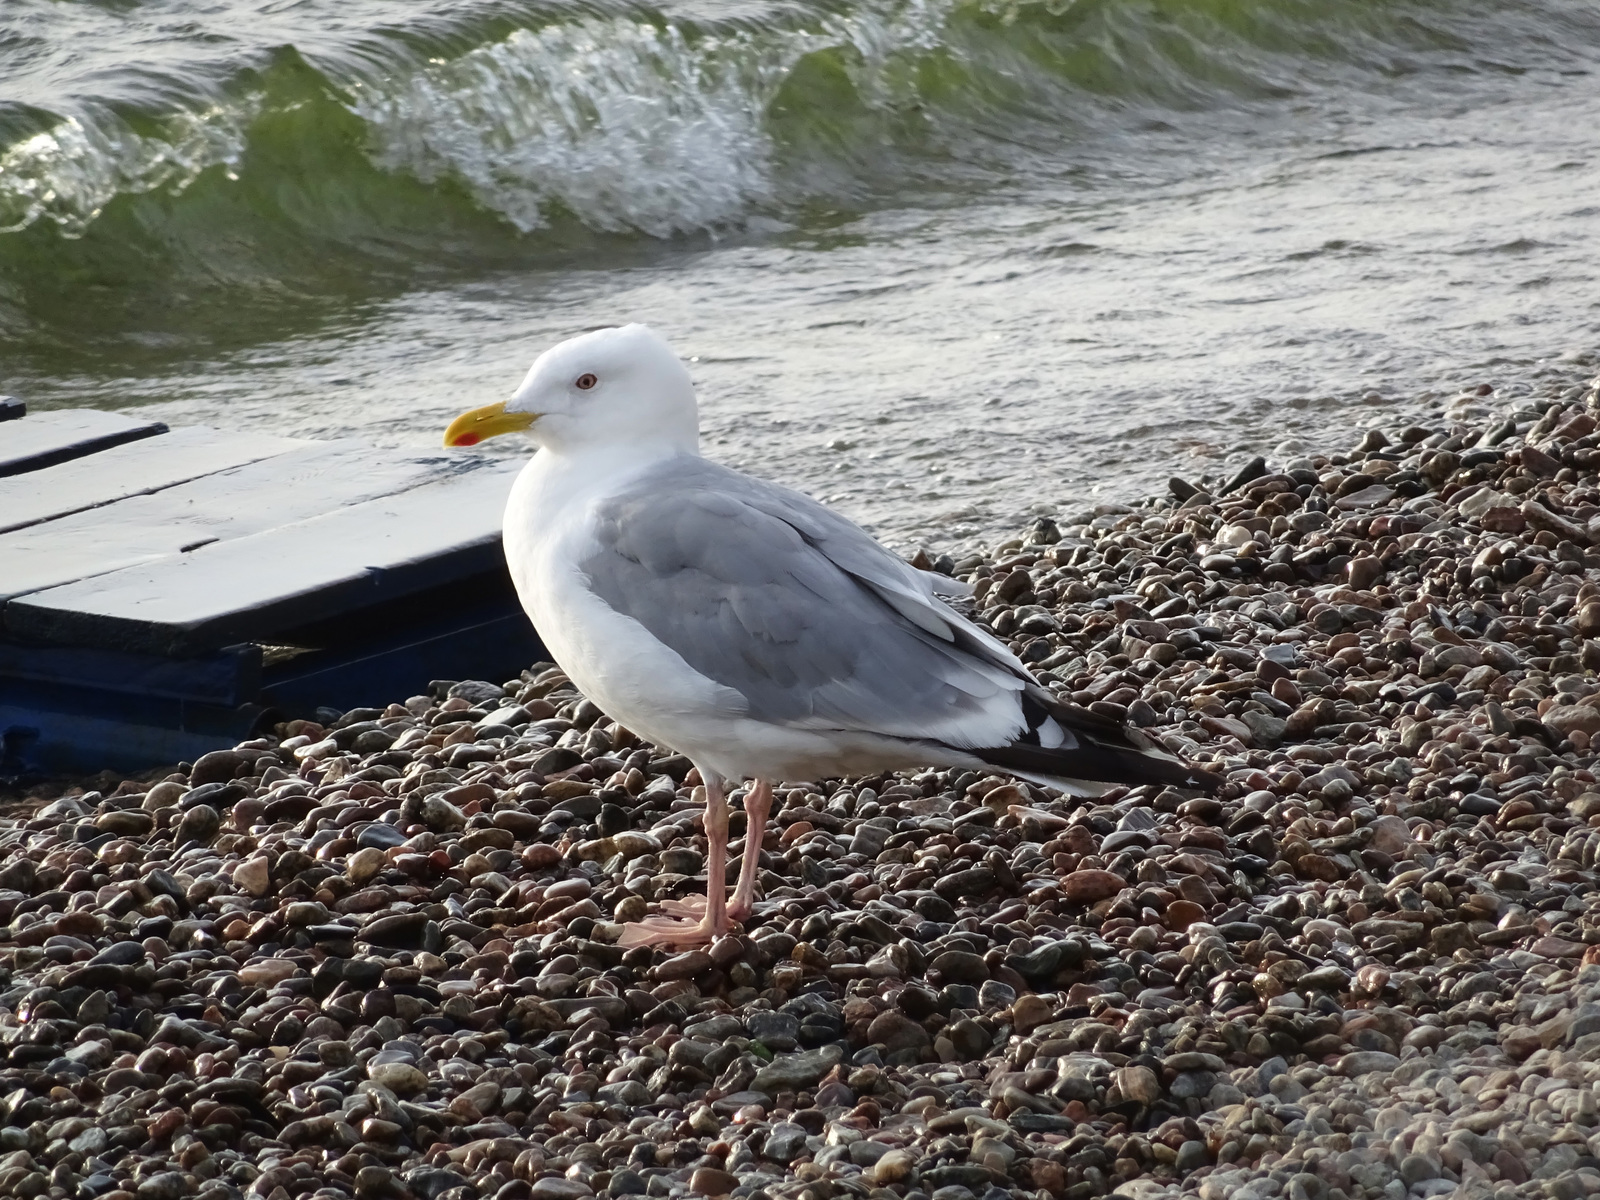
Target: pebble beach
{"x": 373, "y": 956}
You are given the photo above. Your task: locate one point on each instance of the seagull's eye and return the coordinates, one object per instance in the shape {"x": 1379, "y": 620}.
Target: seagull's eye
{"x": 586, "y": 381}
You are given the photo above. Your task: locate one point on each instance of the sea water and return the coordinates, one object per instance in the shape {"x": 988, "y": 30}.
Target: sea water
{"x": 942, "y": 263}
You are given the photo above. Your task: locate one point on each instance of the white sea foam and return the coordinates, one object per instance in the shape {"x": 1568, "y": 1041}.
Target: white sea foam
{"x": 627, "y": 124}
{"x": 71, "y": 171}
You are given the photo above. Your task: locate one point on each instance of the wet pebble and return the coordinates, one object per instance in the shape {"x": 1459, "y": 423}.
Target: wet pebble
{"x": 375, "y": 954}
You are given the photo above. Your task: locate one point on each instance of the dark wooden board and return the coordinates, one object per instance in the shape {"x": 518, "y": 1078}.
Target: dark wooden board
{"x": 241, "y": 502}
{"x": 90, "y": 726}
{"x": 131, "y": 469}
{"x": 494, "y": 646}
{"x": 50, "y": 729}
{"x": 230, "y": 677}
{"x": 142, "y": 573}
{"x": 247, "y": 588}
{"x": 45, "y": 439}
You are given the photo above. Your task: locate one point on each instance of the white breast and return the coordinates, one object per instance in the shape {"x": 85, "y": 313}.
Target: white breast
{"x": 613, "y": 660}
{"x": 632, "y": 676}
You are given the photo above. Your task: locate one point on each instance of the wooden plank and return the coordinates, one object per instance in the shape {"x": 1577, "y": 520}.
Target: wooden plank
{"x": 132, "y": 469}
{"x": 489, "y": 646}
{"x": 230, "y": 677}
{"x": 230, "y": 504}
{"x": 56, "y": 733}
{"x": 93, "y": 727}
{"x": 248, "y": 588}
{"x": 48, "y": 438}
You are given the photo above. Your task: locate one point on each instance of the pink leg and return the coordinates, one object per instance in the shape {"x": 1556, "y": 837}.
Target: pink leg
{"x": 757, "y": 807}
{"x": 690, "y": 923}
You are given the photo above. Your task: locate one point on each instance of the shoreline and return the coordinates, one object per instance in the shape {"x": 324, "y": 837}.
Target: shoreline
{"x": 375, "y": 958}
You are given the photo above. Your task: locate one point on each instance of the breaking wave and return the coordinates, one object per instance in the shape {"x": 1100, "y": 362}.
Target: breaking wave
{"x": 308, "y": 175}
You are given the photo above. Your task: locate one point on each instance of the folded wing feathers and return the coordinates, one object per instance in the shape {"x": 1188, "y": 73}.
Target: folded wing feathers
{"x": 966, "y": 692}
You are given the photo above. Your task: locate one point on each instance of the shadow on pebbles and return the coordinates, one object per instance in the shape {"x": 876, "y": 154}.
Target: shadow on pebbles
{"x": 375, "y": 957}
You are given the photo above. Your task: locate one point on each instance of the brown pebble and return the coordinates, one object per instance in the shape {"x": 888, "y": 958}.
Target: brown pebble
{"x": 1181, "y": 914}
{"x": 1088, "y": 886}
{"x": 709, "y": 1181}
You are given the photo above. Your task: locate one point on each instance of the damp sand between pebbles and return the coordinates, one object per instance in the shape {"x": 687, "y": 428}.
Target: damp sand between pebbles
{"x": 375, "y": 958}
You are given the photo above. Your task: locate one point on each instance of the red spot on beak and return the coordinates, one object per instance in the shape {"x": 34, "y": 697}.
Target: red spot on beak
{"x": 468, "y": 439}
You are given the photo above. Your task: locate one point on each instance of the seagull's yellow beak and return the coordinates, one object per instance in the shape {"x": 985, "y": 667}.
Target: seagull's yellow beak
{"x": 491, "y": 420}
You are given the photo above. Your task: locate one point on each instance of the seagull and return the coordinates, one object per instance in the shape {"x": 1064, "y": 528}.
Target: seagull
{"x": 750, "y": 628}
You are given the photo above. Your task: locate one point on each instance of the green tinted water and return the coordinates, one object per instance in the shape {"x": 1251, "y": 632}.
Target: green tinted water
{"x": 937, "y": 261}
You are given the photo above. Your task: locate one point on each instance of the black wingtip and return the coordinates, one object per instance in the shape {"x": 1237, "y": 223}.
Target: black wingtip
{"x": 1096, "y": 762}
{"x": 1107, "y": 751}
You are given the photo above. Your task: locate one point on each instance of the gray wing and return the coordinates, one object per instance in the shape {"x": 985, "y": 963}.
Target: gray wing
{"x": 798, "y": 610}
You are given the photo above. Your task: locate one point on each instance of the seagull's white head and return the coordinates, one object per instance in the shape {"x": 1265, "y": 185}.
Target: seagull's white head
{"x": 607, "y": 388}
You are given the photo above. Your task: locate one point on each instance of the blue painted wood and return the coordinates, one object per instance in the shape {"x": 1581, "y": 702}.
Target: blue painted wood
{"x": 141, "y": 584}
{"x": 51, "y": 729}
{"x": 496, "y": 647}
{"x": 230, "y": 677}
{"x": 48, "y": 438}
{"x": 88, "y": 723}
{"x": 132, "y": 469}
{"x": 251, "y": 588}
{"x": 241, "y": 502}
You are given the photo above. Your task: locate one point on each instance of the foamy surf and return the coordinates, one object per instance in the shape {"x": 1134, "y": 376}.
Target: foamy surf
{"x": 964, "y": 241}
{"x": 628, "y": 124}
{"x": 67, "y": 174}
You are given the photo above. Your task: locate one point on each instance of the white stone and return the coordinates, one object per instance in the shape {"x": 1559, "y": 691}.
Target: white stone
{"x": 1391, "y": 836}
{"x": 266, "y": 972}
{"x": 400, "y": 1078}
{"x": 253, "y": 877}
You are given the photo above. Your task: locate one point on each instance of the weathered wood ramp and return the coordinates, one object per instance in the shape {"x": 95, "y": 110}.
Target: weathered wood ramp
{"x": 165, "y": 592}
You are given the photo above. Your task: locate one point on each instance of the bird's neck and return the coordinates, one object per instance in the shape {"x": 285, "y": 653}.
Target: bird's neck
{"x": 563, "y": 475}
{"x": 618, "y": 455}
